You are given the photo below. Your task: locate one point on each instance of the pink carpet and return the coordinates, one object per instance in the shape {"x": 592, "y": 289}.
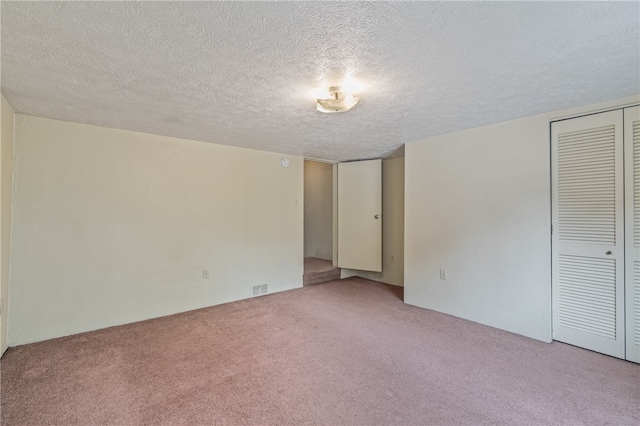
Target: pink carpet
{"x": 318, "y": 271}
{"x": 342, "y": 353}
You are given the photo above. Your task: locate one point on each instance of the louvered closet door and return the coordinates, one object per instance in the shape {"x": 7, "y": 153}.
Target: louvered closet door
{"x": 632, "y": 227}
{"x": 588, "y": 232}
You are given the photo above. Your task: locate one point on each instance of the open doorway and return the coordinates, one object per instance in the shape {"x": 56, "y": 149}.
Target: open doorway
{"x": 320, "y": 220}
{"x": 318, "y": 223}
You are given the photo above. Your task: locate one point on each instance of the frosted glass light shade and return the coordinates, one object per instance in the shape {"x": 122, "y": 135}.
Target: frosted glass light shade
{"x": 337, "y": 101}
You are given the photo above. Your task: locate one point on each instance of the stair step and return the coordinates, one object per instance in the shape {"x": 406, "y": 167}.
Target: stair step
{"x": 317, "y": 271}
{"x": 321, "y": 277}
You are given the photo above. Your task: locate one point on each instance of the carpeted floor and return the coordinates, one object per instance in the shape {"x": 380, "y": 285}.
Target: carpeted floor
{"x": 342, "y": 353}
{"x": 318, "y": 271}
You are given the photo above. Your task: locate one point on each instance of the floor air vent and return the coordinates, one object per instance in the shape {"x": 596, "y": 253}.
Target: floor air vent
{"x": 259, "y": 290}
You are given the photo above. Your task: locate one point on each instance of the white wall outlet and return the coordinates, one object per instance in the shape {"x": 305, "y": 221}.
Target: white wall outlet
{"x": 443, "y": 274}
{"x": 205, "y": 273}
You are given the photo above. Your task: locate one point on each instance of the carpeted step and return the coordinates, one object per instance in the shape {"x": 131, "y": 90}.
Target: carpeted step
{"x": 319, "y": 277}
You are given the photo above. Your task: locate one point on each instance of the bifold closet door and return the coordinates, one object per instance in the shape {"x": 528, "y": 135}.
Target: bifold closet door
{"x": 632, "y": 227}
{"x": 588, "y": 232}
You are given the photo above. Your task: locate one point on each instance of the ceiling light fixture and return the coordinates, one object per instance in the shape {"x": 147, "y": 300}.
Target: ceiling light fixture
{"x": 336, "y": 100}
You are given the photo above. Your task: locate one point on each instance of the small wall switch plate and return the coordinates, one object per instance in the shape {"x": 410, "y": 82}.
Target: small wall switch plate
{"x": 443, "y": 274}
{"x": 205, "y": 273}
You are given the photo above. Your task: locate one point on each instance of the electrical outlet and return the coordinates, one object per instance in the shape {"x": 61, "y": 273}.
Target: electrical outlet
{"x": 443, "y": 274}
{"x": 205, "y": 273}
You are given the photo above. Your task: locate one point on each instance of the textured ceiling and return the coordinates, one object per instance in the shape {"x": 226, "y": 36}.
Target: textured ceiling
{"x": 242, "y": 73}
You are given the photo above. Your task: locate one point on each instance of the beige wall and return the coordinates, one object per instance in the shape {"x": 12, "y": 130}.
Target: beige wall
{"x": 6, "y": 183}
{"x": 113, "y": 226}
{"x": 392, "y": 226}
{"x": 478, "y": 205}
{"x": 318, "y": 210}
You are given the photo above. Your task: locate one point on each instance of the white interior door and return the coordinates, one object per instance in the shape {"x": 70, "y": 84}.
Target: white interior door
{"x": 632, "y": 230}
{"x": 588, "y": 232}
{"x": 360, "y": 215}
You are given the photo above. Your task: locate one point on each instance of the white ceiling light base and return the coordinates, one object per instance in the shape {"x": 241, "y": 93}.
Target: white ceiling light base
{"x": 336, "y": 101}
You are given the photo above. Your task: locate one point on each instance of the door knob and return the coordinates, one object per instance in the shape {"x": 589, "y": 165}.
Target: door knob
{"x": 608, "y": 252}
{"x": 376, "y": 216}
